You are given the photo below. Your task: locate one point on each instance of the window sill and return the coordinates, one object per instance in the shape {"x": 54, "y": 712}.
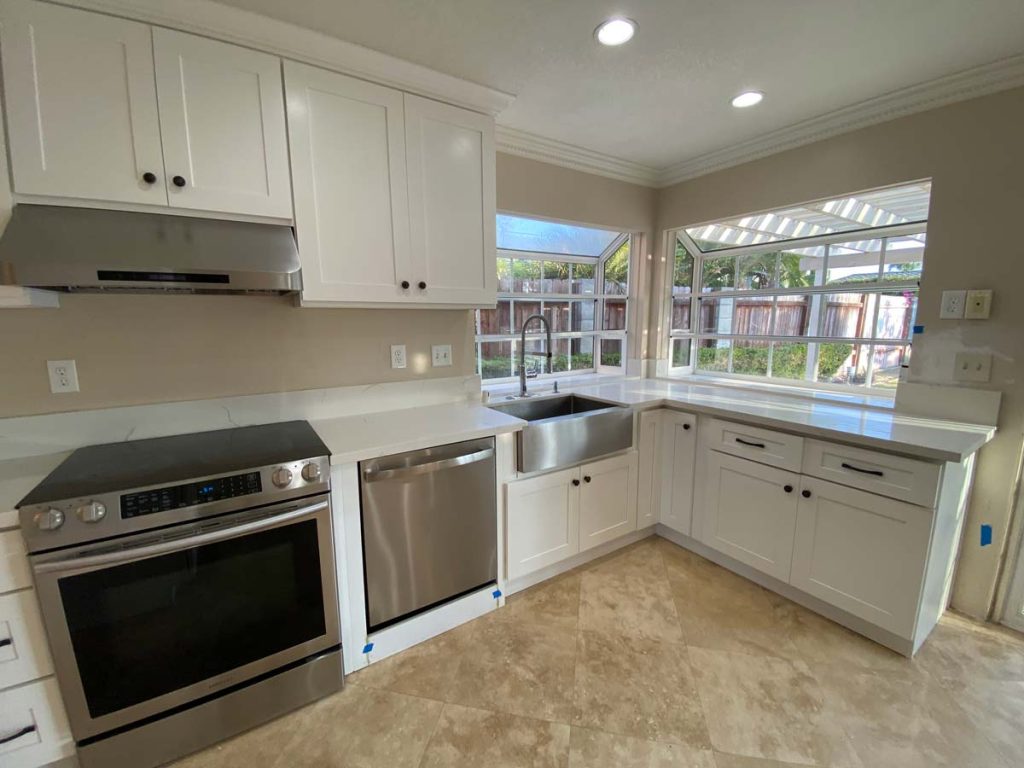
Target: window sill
{"x": 882, "y": 402}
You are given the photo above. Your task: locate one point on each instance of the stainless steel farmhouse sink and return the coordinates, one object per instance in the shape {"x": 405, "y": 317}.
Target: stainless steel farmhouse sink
{"x": 566, "y": 430}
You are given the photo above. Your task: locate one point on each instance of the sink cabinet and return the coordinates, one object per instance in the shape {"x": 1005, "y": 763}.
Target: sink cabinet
{"x": 607, "y": 499}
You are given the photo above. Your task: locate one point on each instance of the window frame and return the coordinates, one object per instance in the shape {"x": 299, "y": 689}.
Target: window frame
{"x": 599, "y": 297}
{"x": 693, "y": 335}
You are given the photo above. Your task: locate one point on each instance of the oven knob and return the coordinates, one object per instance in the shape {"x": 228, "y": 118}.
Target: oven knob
{"x": 50, "y": 520}
{"x": 311, "y": 473}
{"x": 92, "y": 512}
{"x": 282, "y": 477}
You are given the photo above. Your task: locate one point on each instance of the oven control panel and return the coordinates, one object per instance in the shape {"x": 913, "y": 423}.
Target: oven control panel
{"x": 189, "y": 494}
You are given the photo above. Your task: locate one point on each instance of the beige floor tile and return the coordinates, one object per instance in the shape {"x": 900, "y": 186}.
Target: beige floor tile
{"x": 627, "y": 601}
{"x": 427, "y": 669}
{"x": 681, "y": 563}
{"x": 521, "y": 669}
{"x": 639, "y": 560}
{"x": 769, "y": 707}
{"x": 555, "y": 602}
{"x": 723, "y": 760}
{"x": 597, "y": 749}
{"x": 475, "y": 738}
{"x": 635, "y": 687}
{"x": 996, "y": 709}
{"x": 960, "y": 647}
{"x": 904, "y": 719}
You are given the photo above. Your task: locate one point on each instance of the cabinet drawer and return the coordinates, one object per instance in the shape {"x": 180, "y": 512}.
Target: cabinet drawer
{"x": 895, "y": 476}
{"x": 36, "y": 713}
{"x": 766, "y": 446}
{"x": 23, "y": 653}
{"x": 14, "y": 571}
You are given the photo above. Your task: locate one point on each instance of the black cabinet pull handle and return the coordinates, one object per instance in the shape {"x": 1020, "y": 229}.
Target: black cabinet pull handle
{"x": 405, "y": 284}
{"x": 586, "y": 478}
{"x": 806, "y": 494}
{"x": 18, "y": 734}
{"x": 423, "y": 286}
{"x": 746, "y": 442}
{"x": 149, "y": 177}
{"x": 686, "y": 426}
{"x": 575, "y": 481}
{"x": 179, "y": 181}
{"x": 875, "y": 472}
{"x": 787, "y": 488}
{"x": 5, "y": 641}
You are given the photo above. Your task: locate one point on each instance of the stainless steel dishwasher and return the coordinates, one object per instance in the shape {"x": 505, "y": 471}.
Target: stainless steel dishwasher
{"x": 430, "y": 531}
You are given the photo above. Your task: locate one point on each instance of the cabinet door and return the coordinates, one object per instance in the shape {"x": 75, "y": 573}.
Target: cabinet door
{"x": 648, "y": 491}
{"x": 749, "y": 514}
{"x": 81, "y": 104}
{"x": 607, "y": 499}
{"x": 223, "y": 127}
{"x": 862, "y": 553}
{"x": 451, "y": 161}
{"x": 351, "y": 205}
{"x": 679, "y": 438}
{"x": 543, "y": 521}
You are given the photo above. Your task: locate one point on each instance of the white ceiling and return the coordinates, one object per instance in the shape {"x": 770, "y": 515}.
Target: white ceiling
{"x": 664, "y": 97}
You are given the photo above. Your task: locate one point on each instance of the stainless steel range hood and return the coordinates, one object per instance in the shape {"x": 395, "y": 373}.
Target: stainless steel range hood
{"x": 85, "y": 249}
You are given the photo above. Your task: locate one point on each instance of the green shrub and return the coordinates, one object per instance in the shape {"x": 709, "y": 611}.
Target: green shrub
{"x": 831, "y": 357}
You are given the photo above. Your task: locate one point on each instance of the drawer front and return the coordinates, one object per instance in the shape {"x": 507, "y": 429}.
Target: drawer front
{"x": 36, "y": 715}
{"x": 766, "y": 446}
{"x": 14, "y": 570}
{"x": 897, "y": 477}
{"x": 23, "y": 653}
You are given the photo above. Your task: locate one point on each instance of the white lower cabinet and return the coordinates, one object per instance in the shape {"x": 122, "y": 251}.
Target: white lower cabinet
{"x": 679, "y": 447}
{"x": 34, "y": 716}
{"x": 862, "y": 553}
{"x": 750, "y": 512}
{"x": 648, "y": 468}
{"x": 543, "y": 521}
{"x": 607, "y": 504}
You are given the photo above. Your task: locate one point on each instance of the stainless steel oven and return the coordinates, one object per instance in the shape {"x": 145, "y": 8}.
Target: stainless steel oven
{"x": 212, "y": 608}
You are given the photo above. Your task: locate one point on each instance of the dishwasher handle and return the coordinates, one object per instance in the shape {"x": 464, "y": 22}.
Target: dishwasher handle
{"x": 372, "y": 474}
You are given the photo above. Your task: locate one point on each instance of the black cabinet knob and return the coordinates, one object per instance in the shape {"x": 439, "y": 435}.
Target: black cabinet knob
{"x": 405, "y": 284}
{"x": 586, "y": 478}
{"x": 787, "y": 488}
{"x": 179, "y": 181}
{"x": 575, "y": 481}
{"x": 149, "y": 177}
{"x": 805, "y": 494}
{"x": 686, "y": 426}
{"x": 423, "y": 286}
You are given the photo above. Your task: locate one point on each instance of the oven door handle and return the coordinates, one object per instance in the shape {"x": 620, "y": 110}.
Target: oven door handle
{"x": 371, "y": 474}
{"x": 176, "y": 545}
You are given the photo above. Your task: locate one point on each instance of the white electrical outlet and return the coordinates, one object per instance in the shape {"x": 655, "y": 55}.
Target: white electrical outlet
{"x": 441, "y": 354}
{"x": 973, "y": 366}
{"x": 952, "y": 305}
{"x": 978, "y": 305}
{"x": 398, "y": 355}
{"x": 63, "y": 375}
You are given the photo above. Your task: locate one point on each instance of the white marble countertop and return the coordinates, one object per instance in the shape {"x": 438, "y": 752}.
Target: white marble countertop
{"x": 870, "y": 427}
{"x": 366, "y": 436}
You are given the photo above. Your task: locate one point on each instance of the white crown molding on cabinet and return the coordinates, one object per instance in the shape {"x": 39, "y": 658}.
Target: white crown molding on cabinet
{"x": 971, "y": 83}
{"x": 289, "y": 41}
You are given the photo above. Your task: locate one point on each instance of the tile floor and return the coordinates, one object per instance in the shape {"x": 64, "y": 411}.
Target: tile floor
{"x": 655, "y": 658}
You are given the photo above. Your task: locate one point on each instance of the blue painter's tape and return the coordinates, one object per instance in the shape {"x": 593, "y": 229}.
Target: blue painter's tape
{"x": 986, "y": 535}
{"x": 918, "y": 329}
{"x": 496, "y": 594}
{"x": 368, "y": 647}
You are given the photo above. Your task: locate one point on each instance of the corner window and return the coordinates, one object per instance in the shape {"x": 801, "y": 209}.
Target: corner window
{"x": 823, "y": 293}
{"x": 578, "y": 278}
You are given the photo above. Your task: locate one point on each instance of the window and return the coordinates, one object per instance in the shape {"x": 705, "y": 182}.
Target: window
{"x": 824, "y": 292}
{"x": 578, "y": 278}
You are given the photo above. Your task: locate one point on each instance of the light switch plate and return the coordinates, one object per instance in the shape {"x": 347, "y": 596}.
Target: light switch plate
{"x": 441, "y": 355}
{"x": 63, "y": 376}
{"x": 952, "y": 305}
{"x": 973, "y": 366}
{"x": 398, "y": 355}
{"x": 978, "y": 305}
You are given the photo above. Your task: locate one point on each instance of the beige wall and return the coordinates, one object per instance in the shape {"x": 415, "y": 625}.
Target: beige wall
{"x": 973, "y": 153}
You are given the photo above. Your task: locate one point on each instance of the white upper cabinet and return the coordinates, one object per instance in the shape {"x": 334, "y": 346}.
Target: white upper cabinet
{"x": 222, "y": 118}
{"x": 451, "y": 164}
{"x": 81, "y": 105}
{"x": 351, "y": 200}
{"x": 113, "y": 111}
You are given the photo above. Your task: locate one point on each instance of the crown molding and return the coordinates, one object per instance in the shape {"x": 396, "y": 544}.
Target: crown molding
{"x": 233, "y": 25}
{"x": 971, "y": 83}
{"x": 529, "y": 145}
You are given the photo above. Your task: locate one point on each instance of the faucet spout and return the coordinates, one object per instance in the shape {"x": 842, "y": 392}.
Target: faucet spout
{"x": 522, "y": 350}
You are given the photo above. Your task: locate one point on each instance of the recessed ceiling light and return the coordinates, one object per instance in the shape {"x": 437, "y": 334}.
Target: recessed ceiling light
{"x": 748, "y": 99}
{"x": 615, "y": 31}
